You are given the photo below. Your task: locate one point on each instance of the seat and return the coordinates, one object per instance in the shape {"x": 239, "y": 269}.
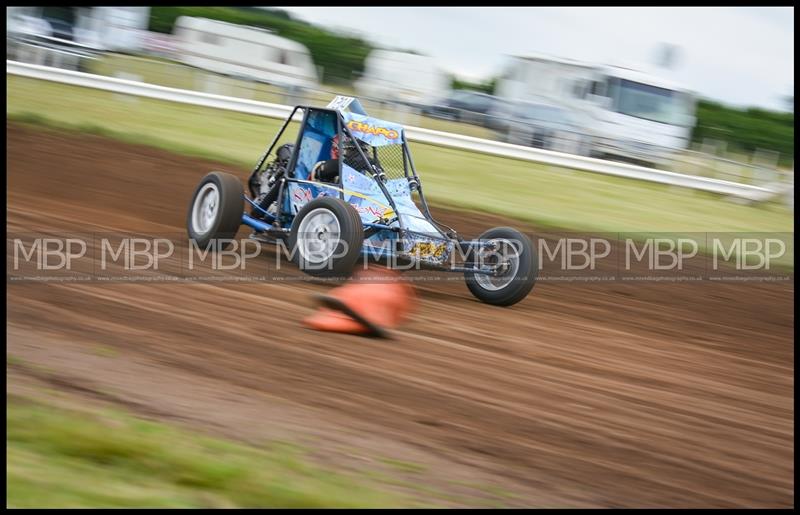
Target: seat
{"x": 315, "y": 145}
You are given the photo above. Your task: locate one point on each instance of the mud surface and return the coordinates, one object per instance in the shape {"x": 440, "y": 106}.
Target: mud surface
{"x": 603, "y": 394}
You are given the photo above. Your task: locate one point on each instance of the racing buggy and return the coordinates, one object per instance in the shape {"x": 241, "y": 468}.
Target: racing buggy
{"x": 346, "y": 190}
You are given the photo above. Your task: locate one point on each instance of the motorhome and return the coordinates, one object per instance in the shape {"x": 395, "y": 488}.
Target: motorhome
{"x": 402, "y": 77}
{"x": 243, "y": 51}
{"x": 630, "y": 114}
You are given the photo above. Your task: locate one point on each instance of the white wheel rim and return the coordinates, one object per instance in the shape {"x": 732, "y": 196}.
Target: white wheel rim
{"x": 318, "y": 235}
{"x": 505, "y": 252}
{"x": 205, "y": 208}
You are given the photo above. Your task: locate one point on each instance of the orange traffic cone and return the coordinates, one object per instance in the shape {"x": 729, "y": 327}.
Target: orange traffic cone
{"x": 374, "y": 302}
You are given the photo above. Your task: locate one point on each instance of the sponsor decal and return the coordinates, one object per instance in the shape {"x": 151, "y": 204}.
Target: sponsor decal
{"x": 302, "y": 195}
{"x": 371, "y": 210}
{"x": 428, "y": 249}
{"x": 365, "y": 128}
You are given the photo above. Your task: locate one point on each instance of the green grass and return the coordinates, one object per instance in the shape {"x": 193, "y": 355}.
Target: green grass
{"x": 57, "y": 457}
{"x": 14, "y": 360}
{"x": 547, "y": 196}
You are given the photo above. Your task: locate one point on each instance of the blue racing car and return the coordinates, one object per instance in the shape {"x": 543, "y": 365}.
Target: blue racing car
{"x": 346, "y": 190}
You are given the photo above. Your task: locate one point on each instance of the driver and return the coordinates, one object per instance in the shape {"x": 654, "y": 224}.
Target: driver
{"x": 328, "y": 171}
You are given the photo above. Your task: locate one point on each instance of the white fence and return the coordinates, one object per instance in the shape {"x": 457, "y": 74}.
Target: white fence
{"x": 744, "y": 191}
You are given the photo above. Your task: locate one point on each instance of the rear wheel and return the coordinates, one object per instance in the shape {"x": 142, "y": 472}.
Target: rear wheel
{"x": 216, "y": 209}
{"x": 512, "y": 254}
{"x": 326, "y": 238}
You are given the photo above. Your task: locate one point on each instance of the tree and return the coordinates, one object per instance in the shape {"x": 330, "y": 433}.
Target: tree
{"x": 486, "y": 86}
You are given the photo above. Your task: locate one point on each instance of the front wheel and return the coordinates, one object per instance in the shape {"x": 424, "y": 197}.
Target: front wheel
{"x": 512, "y": 255}
{"x": 326, "y": 238}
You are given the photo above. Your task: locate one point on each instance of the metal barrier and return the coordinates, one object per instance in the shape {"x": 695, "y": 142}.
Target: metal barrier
{"x": 45, "y": 53}
{"x": 414, "y": 134}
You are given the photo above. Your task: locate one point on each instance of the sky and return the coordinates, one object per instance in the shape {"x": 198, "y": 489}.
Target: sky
{"x": 742, "y": 56}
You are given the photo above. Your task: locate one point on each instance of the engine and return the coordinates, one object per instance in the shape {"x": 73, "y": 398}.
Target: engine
{"x": 262, "y": 184}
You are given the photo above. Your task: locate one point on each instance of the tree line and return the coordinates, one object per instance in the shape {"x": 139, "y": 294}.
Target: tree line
{"x": 746, "y": 130}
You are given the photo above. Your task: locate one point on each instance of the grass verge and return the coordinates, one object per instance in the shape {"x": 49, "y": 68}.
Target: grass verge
{"x": 58, "y": 457}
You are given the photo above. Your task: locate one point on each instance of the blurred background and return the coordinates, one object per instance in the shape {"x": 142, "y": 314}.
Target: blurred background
{"x": 648, "y": 111}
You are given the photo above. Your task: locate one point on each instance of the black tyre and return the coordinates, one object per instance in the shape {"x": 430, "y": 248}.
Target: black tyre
{"x": 216, "y": 209}
{"x": 326, "y": 238}
{"x": 515, "y": 254}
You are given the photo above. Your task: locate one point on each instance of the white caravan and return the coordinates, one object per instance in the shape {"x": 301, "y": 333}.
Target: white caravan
{"x": 243, "y": 51}
{"x": 402, "y": 77}
{"x": 629, "y": 114}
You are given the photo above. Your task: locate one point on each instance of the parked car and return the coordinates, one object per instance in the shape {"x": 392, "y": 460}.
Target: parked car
{"x": 541, "y": 125}
{"x": 462, "y": 105}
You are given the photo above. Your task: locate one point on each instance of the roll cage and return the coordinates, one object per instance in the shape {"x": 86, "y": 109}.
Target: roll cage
{"x": 296, "y": 175}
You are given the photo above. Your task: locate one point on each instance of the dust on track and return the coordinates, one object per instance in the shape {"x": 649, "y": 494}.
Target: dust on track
{"x": 647, "y": 394}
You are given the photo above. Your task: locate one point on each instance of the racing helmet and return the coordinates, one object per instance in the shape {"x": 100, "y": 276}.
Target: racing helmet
{"x": 349, "y": 147}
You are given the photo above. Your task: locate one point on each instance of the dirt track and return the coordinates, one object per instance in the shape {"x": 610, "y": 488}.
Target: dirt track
{"x": 606, "y": 394}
